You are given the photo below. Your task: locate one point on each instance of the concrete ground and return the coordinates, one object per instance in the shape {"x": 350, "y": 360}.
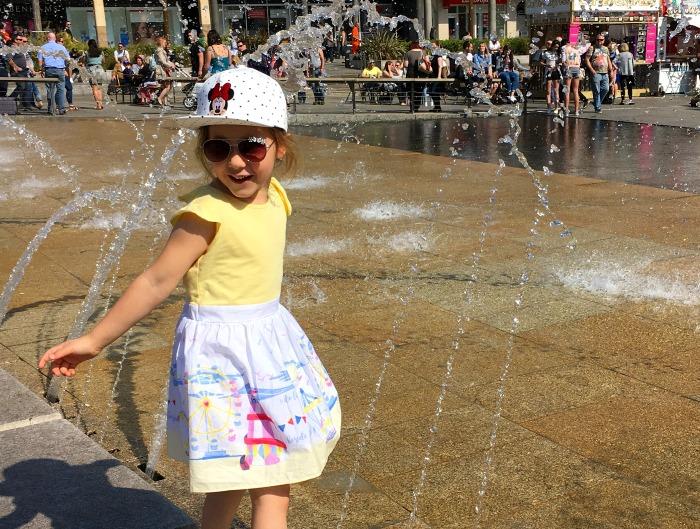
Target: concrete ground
{"x": 492, "y": 374}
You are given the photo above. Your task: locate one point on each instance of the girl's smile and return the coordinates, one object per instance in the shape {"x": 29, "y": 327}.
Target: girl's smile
{"x": 243, "y": 171}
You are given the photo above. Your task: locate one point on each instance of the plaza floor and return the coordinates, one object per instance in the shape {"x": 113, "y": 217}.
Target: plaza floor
{"x": 508, "y": 354}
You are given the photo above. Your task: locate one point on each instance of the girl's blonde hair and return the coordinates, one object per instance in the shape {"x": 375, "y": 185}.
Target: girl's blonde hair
{"x": 624, "y": 47}
{"x": 282, "y": 139}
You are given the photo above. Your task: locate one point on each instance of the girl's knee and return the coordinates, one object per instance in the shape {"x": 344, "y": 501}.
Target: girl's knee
{"x": 278, "y": 495}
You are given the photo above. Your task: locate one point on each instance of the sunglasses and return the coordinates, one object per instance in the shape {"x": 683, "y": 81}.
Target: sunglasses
{"x": 252, "y": 150}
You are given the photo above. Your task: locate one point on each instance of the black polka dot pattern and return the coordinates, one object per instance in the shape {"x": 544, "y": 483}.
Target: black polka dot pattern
{"x": 257, "y": 100}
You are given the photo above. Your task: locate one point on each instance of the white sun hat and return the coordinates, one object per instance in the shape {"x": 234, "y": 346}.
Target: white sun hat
{"x": 239, "y": 96}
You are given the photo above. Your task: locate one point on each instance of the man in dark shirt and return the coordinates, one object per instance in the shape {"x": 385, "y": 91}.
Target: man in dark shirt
{"x": 4, "y": 37}
{"x": 17, "y": 63}
{"x": 197, "y": 48}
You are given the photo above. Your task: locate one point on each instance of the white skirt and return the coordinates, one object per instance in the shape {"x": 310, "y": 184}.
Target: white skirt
{"x": 250, "y": 403}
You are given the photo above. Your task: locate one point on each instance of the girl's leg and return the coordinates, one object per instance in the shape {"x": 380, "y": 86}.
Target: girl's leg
{"x": 549, "y": 94}
{"x": 219, "y": 509}
{"x": 630, "y": 83}
{"x": 555, "y": 102}
{"x": 574, "y": 88}
{"x": 567, "y": 96}
{"x": 270, "y": 506}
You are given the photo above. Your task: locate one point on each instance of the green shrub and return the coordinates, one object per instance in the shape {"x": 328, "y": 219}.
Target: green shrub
{"x": 520, "y": 45}
{"x": 384, "y": 45}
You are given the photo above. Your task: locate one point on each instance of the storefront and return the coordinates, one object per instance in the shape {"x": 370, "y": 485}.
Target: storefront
{"x": 681, "y": 29}
{"x": 453, "y": 18}
{"x": 128, "y": 25}
{"x": 631, "y": 21}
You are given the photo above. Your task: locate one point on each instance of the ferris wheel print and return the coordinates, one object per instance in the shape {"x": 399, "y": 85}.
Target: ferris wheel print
{"x": 213, "y": 403}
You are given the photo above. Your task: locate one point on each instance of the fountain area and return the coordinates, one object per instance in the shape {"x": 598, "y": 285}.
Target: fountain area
{"x": 394, "y": 258}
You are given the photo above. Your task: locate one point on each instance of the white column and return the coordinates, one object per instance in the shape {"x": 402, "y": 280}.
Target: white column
{"x": 204, "y": 15}
{"x": 100, "y": 22}
{"x": 428, "y": 9}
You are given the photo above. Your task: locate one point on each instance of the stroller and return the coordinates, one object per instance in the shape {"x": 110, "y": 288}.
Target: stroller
{"x": 190, "y": 91}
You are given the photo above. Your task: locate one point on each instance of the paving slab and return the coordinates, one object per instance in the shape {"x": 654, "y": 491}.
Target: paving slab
{"x": 55, "y": 477}
{"x": 20, "y": 407}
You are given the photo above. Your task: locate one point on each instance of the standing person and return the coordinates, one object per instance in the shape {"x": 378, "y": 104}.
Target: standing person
{"x": 344, "y": 42}
{"x": 67, "y": 29}
{"x": 4, "y": 38}
{"x": 121, "y": 55}
{"x": 96, "y": 73}
{"x": 550, "y": 61}
{"x": 239, "y": 357}
{"x": 164, "y": 69}
{"x": 18, "y": 67}
{"x": 440, "y": 69}
{"x": 53, "y": 60}
{"x": 317, "y": 65}
{"x": 329, "y": 47}
{"x": 196, "y": 55}
{"x": 598, "y": 64}
{"x": 356, "y": 40}
{"x": 68, "y": 76}
{"x": 411, "y": 62}
{"x": 625, "y": 64}
{"x": 571, "y": 63}
{"x": 218, "y": 57}
{"x": 612, "y": 48}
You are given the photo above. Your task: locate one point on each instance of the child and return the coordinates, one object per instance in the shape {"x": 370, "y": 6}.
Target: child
{"x": 250, "y": 405}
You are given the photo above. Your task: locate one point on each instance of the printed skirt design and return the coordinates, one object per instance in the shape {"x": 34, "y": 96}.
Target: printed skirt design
{"x": 250, "y": 404}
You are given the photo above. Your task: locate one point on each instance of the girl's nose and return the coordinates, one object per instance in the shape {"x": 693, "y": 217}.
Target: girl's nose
{"x": 236, "y": 161}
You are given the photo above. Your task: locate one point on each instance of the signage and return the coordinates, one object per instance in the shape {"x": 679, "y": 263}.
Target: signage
{"x": 676, "y": 8}
{"x": 547, "y": 7}
{"x": 574, "y": 29}
{"x": 605, "y": 6}
{"x": 452, "y": 3}
{"x": 650, "y": 54}
{"x": 278, "y": 12}
{"x": 257, "y": 13}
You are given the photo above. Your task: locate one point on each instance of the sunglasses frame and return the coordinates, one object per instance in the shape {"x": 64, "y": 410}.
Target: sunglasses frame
{"x": 234, "y": 146}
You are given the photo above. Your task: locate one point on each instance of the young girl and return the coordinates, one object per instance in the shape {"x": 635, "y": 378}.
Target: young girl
{"x": 250, "y": 405}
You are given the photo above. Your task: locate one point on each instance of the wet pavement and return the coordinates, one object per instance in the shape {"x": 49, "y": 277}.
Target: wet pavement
{"x": 430, "y": 287}
{"x": 653, "y": 155}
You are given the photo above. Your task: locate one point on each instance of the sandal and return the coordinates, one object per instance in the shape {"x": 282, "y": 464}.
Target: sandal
{"x": 72, "y": 107}
{"x": 99, "y": 106}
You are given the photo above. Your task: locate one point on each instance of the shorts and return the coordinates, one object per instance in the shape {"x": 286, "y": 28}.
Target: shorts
{"x": 573, "y": 73}
{"x": 553, "y": 75}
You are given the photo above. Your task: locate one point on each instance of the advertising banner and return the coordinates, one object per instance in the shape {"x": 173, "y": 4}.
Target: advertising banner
{"x": 604, "y": 6}
{"x": 650, "y": 53}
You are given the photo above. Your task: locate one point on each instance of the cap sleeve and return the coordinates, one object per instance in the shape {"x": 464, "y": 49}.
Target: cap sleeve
{"x": 204, "y": 203}
{"x": 282, "y": 194}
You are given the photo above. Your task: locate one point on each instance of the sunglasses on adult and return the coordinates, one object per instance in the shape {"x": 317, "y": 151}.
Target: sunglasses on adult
{"x": 218, "y": 150}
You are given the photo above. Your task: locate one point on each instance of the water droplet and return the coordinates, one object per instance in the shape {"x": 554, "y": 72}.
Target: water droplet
{"x": 555, "y": 222}
{"x": 553, "y": 148}
{"x": 565, "y": 233}
{"x": 465, "y": 126}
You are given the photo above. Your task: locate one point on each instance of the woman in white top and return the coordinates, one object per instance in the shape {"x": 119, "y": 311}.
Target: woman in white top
{"x": 571, "y": 62}
{"x": 550, "y": 60}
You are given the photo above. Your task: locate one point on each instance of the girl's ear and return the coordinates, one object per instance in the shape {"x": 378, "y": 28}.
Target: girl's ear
{"x": 281, "y": 151}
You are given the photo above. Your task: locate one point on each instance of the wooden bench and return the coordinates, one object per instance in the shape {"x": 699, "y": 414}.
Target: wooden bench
{"x": 19, "y": 80}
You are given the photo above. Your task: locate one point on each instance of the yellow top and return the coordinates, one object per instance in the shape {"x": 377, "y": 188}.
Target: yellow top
{"x": 243, "y": 264}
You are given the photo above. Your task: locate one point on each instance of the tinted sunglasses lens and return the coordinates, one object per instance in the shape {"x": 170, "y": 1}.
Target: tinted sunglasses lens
{"x": 252, "y": 150}
{"x": 216, "y": 150}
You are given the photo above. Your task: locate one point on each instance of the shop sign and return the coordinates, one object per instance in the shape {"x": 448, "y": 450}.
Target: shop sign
{"x": 547, "y": 7}
{"x": 605, "y": 6}
{"x": 146, "y": 15}
{"x": 650, "y": 50}
{"x": 257, "y": 12}
{"x": 452, "y": 3}
{"x": 626, "y": 18}
{"x": 676, "y": 8}
{"x": 278, "y": 12}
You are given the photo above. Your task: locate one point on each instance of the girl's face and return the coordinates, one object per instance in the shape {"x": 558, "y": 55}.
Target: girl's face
{"x": 246, "y": 180}
{"x": 482, "y": 47}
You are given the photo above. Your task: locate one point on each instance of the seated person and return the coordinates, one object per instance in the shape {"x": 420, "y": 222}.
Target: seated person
{"x": 370, "y": 72}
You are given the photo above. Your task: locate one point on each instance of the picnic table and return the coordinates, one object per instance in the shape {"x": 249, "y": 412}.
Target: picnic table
{"x": 30, "y": 80}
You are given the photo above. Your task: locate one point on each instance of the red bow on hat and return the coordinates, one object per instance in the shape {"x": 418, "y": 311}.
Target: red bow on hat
{"x": 224, "y": 92}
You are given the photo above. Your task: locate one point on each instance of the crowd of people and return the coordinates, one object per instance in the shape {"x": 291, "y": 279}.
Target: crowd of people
{"x": 492, "y": 69}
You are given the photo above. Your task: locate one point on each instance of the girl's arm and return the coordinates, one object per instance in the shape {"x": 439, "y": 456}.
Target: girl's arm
{"x": 207, "y": 61}
{"x": 189, "y": 239}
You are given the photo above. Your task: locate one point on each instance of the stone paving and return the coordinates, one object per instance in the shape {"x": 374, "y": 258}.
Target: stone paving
{"x": 598, "y": 425}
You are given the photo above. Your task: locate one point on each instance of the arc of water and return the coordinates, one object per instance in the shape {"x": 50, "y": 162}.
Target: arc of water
{"x": 19, "y": 269}
{"x": 118, "y": 246}
{"x": 461, "y": 319}
{"x": 543, "y": 199}
{"x": 43, "y": 149}
{"x": 371, "y": 408}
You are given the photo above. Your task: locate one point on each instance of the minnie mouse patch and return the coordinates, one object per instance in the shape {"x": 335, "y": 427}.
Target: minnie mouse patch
{"x": 219, "y": 97}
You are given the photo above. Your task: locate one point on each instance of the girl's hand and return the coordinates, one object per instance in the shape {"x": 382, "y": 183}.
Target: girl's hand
{"x": 65, "y": 357}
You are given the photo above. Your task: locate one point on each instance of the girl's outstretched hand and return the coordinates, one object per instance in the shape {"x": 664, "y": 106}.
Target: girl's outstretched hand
{"x": 65, "y": 357}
